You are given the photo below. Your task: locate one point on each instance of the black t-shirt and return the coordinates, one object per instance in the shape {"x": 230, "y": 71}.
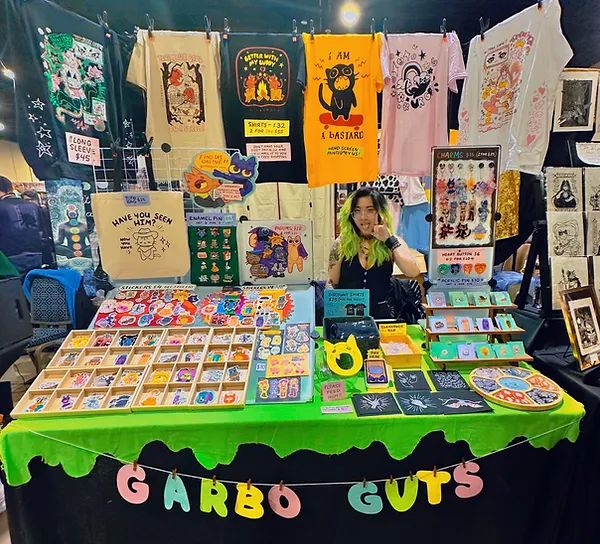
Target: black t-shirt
{"x": 68, "y": 79}
{"x": 21, "y": 227}
{"x": 262, "y": 102}
{"x": 376, "y": 279}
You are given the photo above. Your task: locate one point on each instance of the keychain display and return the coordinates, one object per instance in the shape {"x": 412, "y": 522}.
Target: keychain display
{"x": 464, "y": 196}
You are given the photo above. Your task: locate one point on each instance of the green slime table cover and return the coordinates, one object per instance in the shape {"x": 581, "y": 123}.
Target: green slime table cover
{"x": 214, "y": 436}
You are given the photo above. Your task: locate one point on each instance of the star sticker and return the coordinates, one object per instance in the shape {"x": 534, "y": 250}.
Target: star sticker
{"x": 32, "y": 118}
{"x": 43, "y": 149}
{"x": 126, "y": 123}
{"x": 38, "y": 104}
{"x": 43, "y": 132}
{"x": 422, "y": 55}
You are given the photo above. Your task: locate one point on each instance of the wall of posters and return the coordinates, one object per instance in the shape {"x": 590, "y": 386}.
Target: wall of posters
{"x": 142, "y": 234}
{"x": 213, "y": 248}
{"x": 464, "y": 196}
{"x": 276, "y": 252}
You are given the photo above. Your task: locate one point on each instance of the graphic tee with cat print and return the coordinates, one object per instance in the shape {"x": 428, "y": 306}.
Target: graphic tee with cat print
{"x": 419, "y": 69}
{"x": 342, "y": 78}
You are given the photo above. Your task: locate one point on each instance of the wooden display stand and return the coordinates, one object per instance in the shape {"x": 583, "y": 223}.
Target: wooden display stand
{"x": 492, "y": 311}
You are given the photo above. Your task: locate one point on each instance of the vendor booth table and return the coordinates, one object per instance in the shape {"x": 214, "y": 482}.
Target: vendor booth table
{"x": 62, "y": 473}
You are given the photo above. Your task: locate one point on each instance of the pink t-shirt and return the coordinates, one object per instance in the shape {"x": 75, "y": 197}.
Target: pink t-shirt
{"x": 418, "y": 70}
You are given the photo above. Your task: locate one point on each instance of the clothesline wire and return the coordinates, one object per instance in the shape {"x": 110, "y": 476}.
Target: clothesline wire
{"x": 299, "y": 484}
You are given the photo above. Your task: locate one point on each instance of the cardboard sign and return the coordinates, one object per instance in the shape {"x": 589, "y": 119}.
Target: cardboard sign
{"x": 346, "y": 302}
{"x": 83, "y": 149}
{"x": 333, "y": 390}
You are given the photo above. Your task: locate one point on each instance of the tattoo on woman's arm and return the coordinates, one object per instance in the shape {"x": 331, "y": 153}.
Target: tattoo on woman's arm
{"x": 334, "y": 254}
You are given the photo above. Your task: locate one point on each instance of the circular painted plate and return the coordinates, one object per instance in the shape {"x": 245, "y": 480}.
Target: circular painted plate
{"x": 516, "y": 387}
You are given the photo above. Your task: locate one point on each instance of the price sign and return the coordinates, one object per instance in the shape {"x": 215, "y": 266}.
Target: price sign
{"x": 83, "y": 149}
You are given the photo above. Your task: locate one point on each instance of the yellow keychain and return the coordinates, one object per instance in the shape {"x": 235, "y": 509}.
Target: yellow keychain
{"x": 335, "y": 351}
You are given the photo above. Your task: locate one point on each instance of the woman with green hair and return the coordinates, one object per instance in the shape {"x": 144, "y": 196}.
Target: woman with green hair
{"x": 363, "y": 256}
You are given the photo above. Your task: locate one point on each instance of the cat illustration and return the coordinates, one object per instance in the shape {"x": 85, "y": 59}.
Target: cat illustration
{"x": 275, "y": 88}
{"x": 296, "y": 253}
{"x": 242, "y": 170}
{"x": 340, "y": 80}
{"x": 250, "y": 88}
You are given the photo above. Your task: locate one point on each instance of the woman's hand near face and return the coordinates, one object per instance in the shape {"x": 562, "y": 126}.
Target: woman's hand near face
{"x": 381, "y": 232}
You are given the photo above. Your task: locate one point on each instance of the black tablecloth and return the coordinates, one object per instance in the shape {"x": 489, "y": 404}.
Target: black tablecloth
{"x": 581, "y": 515}
{"x": 523, "y": 500}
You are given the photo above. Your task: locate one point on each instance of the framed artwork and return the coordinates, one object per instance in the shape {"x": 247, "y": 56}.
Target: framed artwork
{"x": 276, "y": 252}
{"x": 580, "y": 310}
{"x": 567, "y": 273}
{"x": 564, "y": 189}
{"x": 592, "y": 233}
{"x": 575, "y": 104}
{"x": 565, "y": 234}
{"x": 592, "y": 189}
{"x": 464, "y": 196}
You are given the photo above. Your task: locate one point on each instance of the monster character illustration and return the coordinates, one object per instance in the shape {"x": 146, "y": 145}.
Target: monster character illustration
{"x": 184, "y": 93}
{"x": 250, "y": 88}
{"x": 296, "y": 253}
{"x": 265, "y": 258}
{"x": 146, "y": 240}
{"x": 199, "y": 183}
{"x": 275, "y": 88}
{"x": 340, "y": 80}
{"x": 242, "y": 170}
{"x": 72, "y": 236}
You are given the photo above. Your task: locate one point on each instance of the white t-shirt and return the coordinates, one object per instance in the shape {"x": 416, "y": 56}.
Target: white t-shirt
{"x": 513, "y": 75}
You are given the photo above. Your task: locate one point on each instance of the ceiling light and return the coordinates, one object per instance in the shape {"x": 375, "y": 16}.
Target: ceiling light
{"x": 349, "y": 13}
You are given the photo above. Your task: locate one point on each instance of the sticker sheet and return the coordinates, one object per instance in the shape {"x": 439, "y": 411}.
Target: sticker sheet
{"x": 464, "y": 196}
{"x": 273, "y": 346}
{"x": 276, "y": 252}
{"x": 149, "y": 306}
{"x": 213, "y": 248}
{"x": 250, "y": 307}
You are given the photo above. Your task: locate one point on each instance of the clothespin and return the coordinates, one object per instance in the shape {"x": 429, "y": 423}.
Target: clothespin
{"x": 391, "y": 479}
{"x": 249, "y": 483}
{"x": 207, "y": 26}
{"x": 214, "y": 480}
{"x": 434, "y": 471}
{"x": 384, "y": 28}
{"x": 226, "y": 28}
{"x": 311, "y": 24}
{"x": 294, "y": 31}
{"x": 372, "y": 28}
{"x": 174, "y": 473}
{"x": 135, "y": 465}
{"x": 103, "y": 21}
{"x": 540, "y": 4}
{"x": 281, "y": 485}
{"x": 411, "y": 475}
{"x": 483, "y": 27}
{"x": 443, "y": 29}
{"x": 150, "y": 22}
{"x": 364, "y": 482}
{"x": 114, "y": 146}
{"x": 145, "y": 149}
{"x": 463, "y": 463}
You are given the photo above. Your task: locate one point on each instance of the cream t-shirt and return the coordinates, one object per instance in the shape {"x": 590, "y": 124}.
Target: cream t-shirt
{"x": 180, "y": 72}
{"x": 513, "y": 75}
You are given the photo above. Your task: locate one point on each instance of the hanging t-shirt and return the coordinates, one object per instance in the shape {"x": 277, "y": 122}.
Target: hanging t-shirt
{"x": 418, "y": 70}
{"x": 180, "y": 73}
{"x": 513, "y": 76}
{"x": 67, "y": 81}
{"x": 262, "y": 102}
{"x": 342, "y": 79}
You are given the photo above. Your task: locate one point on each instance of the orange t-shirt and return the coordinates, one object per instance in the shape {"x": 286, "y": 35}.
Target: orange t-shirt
{"x": 343, "y": 75}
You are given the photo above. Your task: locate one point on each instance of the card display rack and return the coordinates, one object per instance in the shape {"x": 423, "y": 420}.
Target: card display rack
{"x": 112, "y": 370}
{"x": 485, "y": 311}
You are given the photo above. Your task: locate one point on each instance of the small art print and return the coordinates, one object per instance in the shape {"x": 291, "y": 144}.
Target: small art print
{"x": 464, "y": 196}
{"x": 564, "y": 187}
